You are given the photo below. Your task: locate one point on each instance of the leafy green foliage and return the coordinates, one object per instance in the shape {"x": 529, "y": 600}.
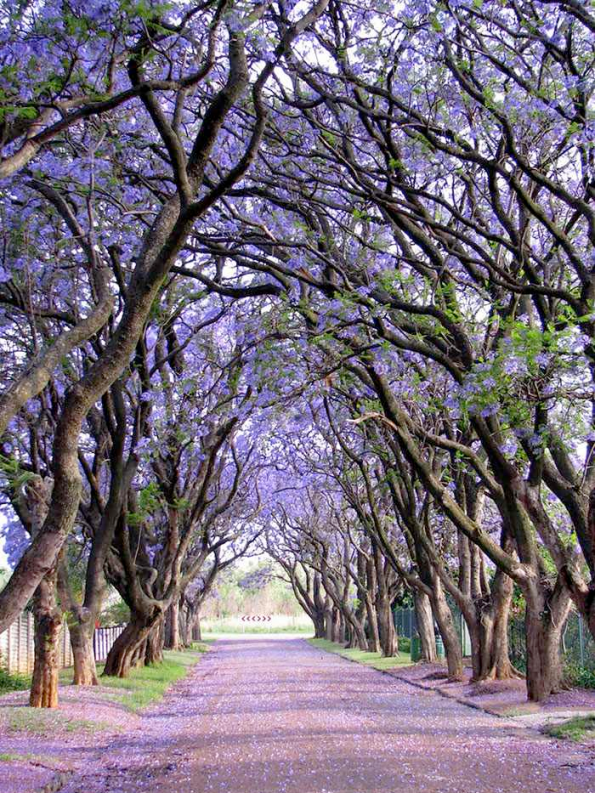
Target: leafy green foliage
{"x": 12, "y": 682}
{"x": 579, "y": 676}
{"x": 148, "y": 502}
{"x": 116, "y": 613}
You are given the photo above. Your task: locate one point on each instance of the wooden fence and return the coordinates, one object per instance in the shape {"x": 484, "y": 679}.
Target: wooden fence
{"x": 17, "y": 647}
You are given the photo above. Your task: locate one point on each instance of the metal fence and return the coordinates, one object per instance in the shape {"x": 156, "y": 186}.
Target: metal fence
{"x": 578, "y": 646}
{"x": 17, "y": 649}
{"x": 405, "y": 622}
{"x": 406, "y": 625}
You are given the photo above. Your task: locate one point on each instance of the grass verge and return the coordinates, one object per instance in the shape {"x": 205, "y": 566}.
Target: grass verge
{"x": 38, "y": 721}
{"x": 148, "y": 684}
{"x": 375, "y": 660}
{"x": 579, "y": 729}
{"x": 144, "y": 686}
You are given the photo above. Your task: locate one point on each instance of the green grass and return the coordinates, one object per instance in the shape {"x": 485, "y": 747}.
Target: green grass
{"x": 143, "y": 687}
{"x": 7, "y": 757}
{"x": 578, "y": 729}
{"x": 39, "y": 721}
{"x": 374, "y": 660}
{"x": 148, "y": 684}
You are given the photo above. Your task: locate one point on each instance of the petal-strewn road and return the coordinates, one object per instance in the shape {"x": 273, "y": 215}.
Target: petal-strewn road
{"x": 276, "y": 715}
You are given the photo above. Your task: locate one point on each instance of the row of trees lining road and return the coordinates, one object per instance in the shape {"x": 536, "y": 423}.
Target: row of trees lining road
{"x": 92, "y": 231}
{"x": 312, "y": 278}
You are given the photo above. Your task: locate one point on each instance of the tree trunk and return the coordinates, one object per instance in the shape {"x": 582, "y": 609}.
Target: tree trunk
{"x": 124, "y": 653}
{"x": 328, "y": 622}
{"x": 186, "y": 617}
{"x": 356, "y": 634}
{"x": 372, "y": 622}
{"x": 361, "y": 639}
{"x": 32, "y": 508}
{"x": 389, "y": 645}
{"x": 81, "y": 641}
{"x": 350, "y": 638}
{"x": 450, "y": 638}
{"x": 545, "y": 618}
{"x": 336, "y": 626}
{"x": 196, "y": 629}
{"x": 319, "y": 611}
{"x": 494, "y": 661}
{"x": 172, "y": 626}
{"x": 480, "y": 634}
{"x": 425, "y": 626}
{"x": 154, "y": 646}
{"x": 343, "y": 628}
{"x": 502, "y": 668}
{"x": 319, "y": 628}
{"x": 48, "y": 622}
{"x": 358, "y": 618}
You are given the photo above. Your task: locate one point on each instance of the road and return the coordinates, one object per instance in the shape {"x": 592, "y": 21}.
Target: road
{"x": 278, "y": 716}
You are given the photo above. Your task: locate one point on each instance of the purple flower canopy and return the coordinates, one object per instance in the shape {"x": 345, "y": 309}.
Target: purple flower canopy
{"x": 304, "y": 281}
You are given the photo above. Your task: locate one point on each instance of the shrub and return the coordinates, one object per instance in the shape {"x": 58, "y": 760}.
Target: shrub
{"x": 579, "y": 676}
{"x": 12, "y": 682}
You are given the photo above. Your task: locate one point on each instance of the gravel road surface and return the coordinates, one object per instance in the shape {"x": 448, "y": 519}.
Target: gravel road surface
{"x": 275, "y": 715}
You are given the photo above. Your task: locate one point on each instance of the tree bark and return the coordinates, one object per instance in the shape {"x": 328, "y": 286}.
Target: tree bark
{"x": 172, "y": 626}
{"x": 372, "y": 617}
{"x": 425, "y": 626}
{"x": 545, "y": 618}
{"x": 338, "y": 632}
{"x": 328, "y": 621}
{"x": 185, "y": 626}
{"x": 154, "y": 645}
{"x": 48, "y": 622}
{"x": 356, "y": 637}
{"x": 389, "y": 645}
{"x": 450, "y": 638}
{"x": 81, "y": 626}
{"x": 319, "y": 627}
{"x": 81, "y": 641}
{"x": 196, "y": 629}
{"x": 124, "y": 654}
{"x": 494, "y": 661}
{"x": 318, "y": 610}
